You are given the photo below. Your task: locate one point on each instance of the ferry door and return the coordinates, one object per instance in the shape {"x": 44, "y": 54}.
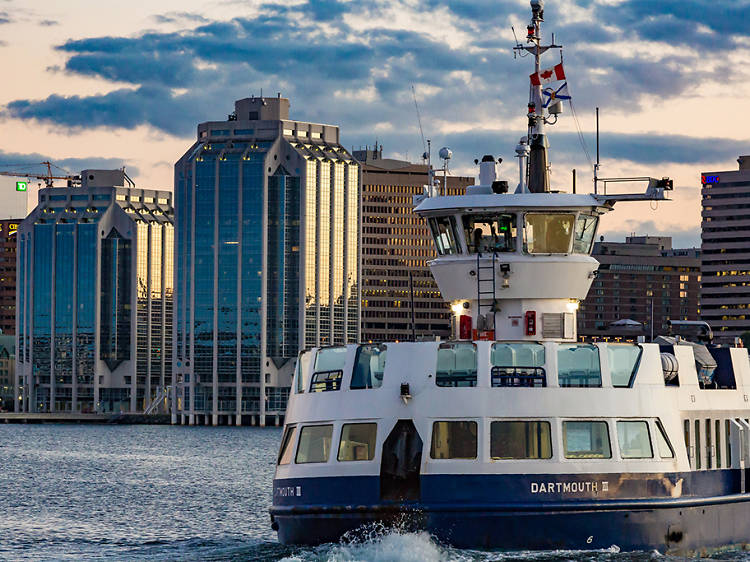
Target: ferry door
{"x": 401, "y": 463}
{"x": 739, "y": 435}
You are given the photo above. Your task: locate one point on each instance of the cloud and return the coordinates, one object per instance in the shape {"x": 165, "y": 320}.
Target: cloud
{"x": 357, "y": 72}
{"x": 49, "y": 23}
{"x": 30, "y": 164}
{"x": 5, "y": 18}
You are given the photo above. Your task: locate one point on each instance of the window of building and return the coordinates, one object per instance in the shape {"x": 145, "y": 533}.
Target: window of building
{"x": 518, "y": 364}
{"x": 490, "y": 233}
{"x": 444, "y": 233}
{"x": 369, "y": 367}
{"x": 520, "y": 440}
{"x": 548, "y": 233}
{"x": 586, "y": 440}
{"x": 624, "y": 360}
{"x": 454, "y": 440}
{"x": 578, "y": 365}
{"x": 285, "y": 452}
{"x": 634, "y": 440}
{"x": 584, "y": 233}
{"x": 456, "y": 365}
{"x": 358, "y": 442}
{"x": 314, "y": 444}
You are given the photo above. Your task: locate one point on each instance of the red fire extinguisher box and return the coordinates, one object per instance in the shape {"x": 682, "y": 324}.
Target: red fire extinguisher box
{"x": 464, "y": 327}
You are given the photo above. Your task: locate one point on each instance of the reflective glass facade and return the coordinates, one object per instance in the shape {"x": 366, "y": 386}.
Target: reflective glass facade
{"x": 95, "y": 300}
{"x": 267, "y": 260}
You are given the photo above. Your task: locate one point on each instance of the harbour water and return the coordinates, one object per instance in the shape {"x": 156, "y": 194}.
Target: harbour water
{"x": 95, "y": 492}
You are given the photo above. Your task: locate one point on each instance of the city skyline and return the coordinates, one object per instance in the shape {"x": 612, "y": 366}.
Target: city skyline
{"x": 128, "y": 86}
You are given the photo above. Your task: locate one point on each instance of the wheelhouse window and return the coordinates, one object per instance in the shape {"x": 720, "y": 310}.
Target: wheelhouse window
{"x": 358, "y": 442}
{"x": 488, "y": 233}
{"x": 520, "y": 440}
{"x": 634, "y": 440}
{"x": 444, "y": 232}
{"x": 584, "y": 233}
{"x": 302, "y": 371}
{"x": 314, "y": 444}
{"x": 548, "y": 233}
{"x": 454, "y": 440}
{"x": 518, "y": 364}
{"x": 578, "y": 365}
{"x": 369, "y": 367}
{"x": 285, "y": 452}
{"x": 662, "y": 442}
{"x": 329, "y": 369}
{"x": 623, "y": 363}
{"x": 456, "y": 365}
{"x": 586, "y": 440}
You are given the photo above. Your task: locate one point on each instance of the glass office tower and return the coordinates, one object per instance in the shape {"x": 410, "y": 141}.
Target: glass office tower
{"x": 267, "y": 253}
{"x": 95, "y": 298}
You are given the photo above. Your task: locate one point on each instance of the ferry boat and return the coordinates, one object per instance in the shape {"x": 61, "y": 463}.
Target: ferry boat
{"x": 515, "y": 434}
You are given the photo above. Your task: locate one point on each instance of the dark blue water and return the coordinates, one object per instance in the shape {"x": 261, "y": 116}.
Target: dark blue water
{"x": 86, "y": 492}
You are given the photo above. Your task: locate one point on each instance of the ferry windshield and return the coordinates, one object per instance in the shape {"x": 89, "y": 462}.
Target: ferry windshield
{"x": 548, "y": 233}
{"x": 444, "y": 232}
{"x": 584, "y": 233}
{"x": 490, "y": 233}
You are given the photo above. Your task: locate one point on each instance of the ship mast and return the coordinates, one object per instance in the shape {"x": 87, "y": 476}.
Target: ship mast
{"x": 537, "y": 175}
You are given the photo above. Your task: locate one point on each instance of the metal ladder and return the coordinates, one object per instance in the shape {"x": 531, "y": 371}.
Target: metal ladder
{"x": 486, "y": 285}
{"x": 160, "y": 396}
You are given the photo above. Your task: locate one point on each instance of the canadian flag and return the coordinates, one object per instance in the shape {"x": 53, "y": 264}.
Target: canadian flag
{"x": 548, "y": 75}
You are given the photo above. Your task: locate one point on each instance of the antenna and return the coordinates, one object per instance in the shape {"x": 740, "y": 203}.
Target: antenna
{"x": 596, "y": 166}
{"x": 425, "y": 156}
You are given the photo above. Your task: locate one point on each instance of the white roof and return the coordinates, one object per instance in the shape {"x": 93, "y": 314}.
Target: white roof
{"x": 511, "y": 200}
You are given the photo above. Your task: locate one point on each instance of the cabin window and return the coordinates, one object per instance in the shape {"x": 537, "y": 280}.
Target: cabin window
{"x": 634, "y": 440}
{"x": 584, "y": 233}
{"x": 444, "y": 232}
{"x": 728, "y": 441}
{"x": 490, "y": 233}
{"x": 302, "y": 370}
{"x": 369, "y": 367}
{"x": 456, "y": 364}
{"x": 285, "y": 452}
{"x": 518, "y": 364}
{"x": 586, "y": 440}
{"x": 520, "y": 440}
{"x": 314, "y": 444}
{"x": 454, "y": 440}
{"x": 709, "y": 445}
{"x": 623, "y": 363}
{"x": 358, "y": 442}
{"x": 698, "y": 450}
{"x": 329, "y": 369}
{"x": 688, "y": 446}
{"x": 548, "y": 233}
{"x": 662, "y": 442}
{"x": 578, "y": 365}
{"x": 717, "y": 436}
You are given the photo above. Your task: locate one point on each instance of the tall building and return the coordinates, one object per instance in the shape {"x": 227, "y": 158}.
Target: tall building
{"x": 8, "y": 230}
{"x": 268, "y": 259}
{"x": 396, "y": 246}
{"x": 725, "y": 265}
{"x": 7, "y": 373}
{"x": 95, "y": 297}
{"x": 641, "y": 284}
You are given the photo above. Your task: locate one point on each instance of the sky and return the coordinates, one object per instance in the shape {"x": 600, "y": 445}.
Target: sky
{"x": 109, "y": 84}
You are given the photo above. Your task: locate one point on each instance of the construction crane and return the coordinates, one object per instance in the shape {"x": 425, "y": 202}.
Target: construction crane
{"x": 47, "y": 178}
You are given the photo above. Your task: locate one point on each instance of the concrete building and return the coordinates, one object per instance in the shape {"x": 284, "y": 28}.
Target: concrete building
{"x": 396, "y": 246}
{"x": 725, "y": 245}
{"x": 268, "y": 259}
{"x": 7, "y": 373}
{"x": 95, "y": 297}
{"x": 641, "y": 284}
{"x": 8, "y": 230}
